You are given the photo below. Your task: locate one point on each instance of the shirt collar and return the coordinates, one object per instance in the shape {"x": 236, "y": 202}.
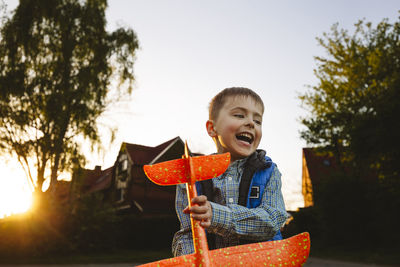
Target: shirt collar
{"x": 238, "y": 163}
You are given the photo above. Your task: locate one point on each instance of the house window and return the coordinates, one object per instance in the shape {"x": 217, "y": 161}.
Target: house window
{"x": 122, "y": 177}
{"x": 123, "y": 170}
{"x": 122, "y": 165}
{"x": 327, "y": 162}
{"x": 120, "y": 194}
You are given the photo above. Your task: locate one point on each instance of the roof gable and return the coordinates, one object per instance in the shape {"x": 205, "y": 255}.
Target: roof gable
{"x": 142, "y": 155}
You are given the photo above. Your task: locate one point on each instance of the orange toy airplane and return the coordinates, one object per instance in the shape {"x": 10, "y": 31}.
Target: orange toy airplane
{"x": 293, "y": 251}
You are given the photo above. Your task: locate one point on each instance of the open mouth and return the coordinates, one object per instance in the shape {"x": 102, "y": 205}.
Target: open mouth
{"x": 245, "y": 137}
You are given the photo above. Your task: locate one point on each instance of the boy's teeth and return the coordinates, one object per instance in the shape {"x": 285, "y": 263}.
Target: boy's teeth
{"x": 245, "y": 137}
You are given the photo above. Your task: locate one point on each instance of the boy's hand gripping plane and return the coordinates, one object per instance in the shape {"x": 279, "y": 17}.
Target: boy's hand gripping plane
{"x": 293, "y": 251}
{"x": 189, "y": 170}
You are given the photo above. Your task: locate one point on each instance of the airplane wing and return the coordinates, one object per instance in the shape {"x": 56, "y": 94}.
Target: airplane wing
{"x": 292, "y": 251}
{"x": 177, "y": 171}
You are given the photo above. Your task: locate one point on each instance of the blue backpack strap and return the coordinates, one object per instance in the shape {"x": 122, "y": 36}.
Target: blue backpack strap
{"x": 206, "y": 187}
{"x": 254, "y": 163}
{"x": 199, "y": 188}
{"x": 258, "y": 184}
{"x": 278, "y": 236}
{"x": 257, "y": 187}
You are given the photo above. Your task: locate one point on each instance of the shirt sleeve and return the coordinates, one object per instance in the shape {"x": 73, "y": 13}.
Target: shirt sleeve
{"x": 182, "y": 243}
{"x": 257, "y": 224}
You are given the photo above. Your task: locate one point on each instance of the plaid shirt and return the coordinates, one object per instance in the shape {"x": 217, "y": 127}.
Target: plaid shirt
{"x": 231, "y": 221}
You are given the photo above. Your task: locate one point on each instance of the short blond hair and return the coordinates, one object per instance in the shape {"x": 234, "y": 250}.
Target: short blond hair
{"x": 219, "y": 100}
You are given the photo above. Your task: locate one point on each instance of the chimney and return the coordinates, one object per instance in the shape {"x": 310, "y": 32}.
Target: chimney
{"x": 97, "y": 168}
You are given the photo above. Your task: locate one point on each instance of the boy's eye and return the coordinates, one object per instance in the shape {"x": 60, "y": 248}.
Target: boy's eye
{"x": 258, "y": 122}
{"x": 238, "y": 116}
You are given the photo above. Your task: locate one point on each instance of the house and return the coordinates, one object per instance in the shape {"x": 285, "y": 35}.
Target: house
{"x": 133, "y": 190}
{"x": 126, "y": 185}
{"x": 315, "y": 166}
{"x": 85, "y": 181}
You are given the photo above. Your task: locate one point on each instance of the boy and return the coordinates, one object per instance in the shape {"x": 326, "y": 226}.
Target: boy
{"x": 235, "y": 119}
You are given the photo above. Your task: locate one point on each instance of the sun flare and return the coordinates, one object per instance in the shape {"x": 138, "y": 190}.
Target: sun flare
{"x": 15, "y": 194}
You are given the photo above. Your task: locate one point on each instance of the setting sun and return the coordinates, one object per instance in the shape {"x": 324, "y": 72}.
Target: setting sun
{"x": 15, "y": 193}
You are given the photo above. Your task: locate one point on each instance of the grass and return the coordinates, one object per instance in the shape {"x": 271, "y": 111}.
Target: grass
{"x": 387, "y": 256}
{"x": 350, "y": 254}
{"x": 121, "y": 256}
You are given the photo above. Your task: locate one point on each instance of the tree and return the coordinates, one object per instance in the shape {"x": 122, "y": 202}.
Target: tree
{"x": 57, "y": 62}
{"x": 353, "y": 113}
{"x": 3, "y": 9}
{"x": 355, "y": 105}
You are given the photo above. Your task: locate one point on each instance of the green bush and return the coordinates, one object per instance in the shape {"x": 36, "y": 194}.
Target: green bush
{"x": 147, "y": 232}
{"x": 92, "y": 224}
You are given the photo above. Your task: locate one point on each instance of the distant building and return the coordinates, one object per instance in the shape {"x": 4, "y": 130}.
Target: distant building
{"x": 315, "y": 167}
{"x": 126, "y": 185}
{"x": 133, "y": 190}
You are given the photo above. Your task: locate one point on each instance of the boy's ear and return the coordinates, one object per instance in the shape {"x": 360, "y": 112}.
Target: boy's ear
{"x": 211, "y": 128}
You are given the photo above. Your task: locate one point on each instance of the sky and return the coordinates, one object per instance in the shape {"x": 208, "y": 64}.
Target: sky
{"x": 190, "y": 50}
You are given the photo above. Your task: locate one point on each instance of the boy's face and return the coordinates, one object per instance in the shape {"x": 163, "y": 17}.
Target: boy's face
{"x": 237, "y": 128}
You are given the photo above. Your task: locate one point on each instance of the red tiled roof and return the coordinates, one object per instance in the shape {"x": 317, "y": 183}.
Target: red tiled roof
{"x": 142, "y": 155}
{"x": 103, "y": 181}
{"x": 97, "y": 180}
